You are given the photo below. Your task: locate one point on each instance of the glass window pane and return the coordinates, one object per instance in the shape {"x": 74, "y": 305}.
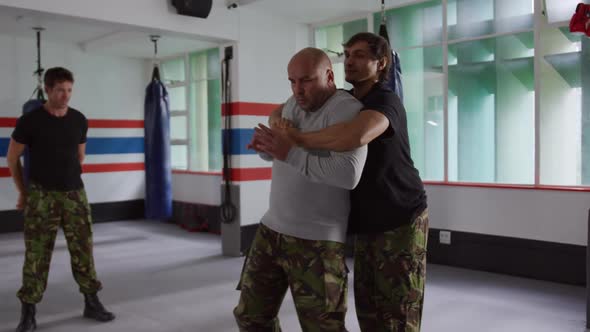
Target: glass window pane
{"x": 350, "y": 29}
{"x": 205, "y": 111}
{"x": 179, "y": 157}
{"x": 173, "y": 70}
{"x": 491, "y": 110}
{"x": 199, "y": 141}
{"x": 560, "y": 10}
{"x": 330, "y": 38}
{"x": 198, "y": 65}
{"x": 213, "y": 64}
{"x": 473, "y": 18}
{"x": 339, "y": 76}
{"x": 412, "y": 26}
{"x": 423, "y": 99}
{"x": 177, "y": 98}
{"x": 178, "y": 127}
{"x": 205, "y": 65}
{"x": 565, "y": 126}
{"x": 214, "y": 124}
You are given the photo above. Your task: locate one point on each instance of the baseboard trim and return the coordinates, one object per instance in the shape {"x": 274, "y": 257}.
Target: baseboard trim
{"x": 115, "y": 211}
{"x": 196, "y": 217}
{"x": 548, "y": 261}
{"x": 541, "y": 260}
{"x": 12, "y": 220}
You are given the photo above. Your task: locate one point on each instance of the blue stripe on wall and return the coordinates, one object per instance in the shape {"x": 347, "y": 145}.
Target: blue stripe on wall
{"x": 117, "y": 145}
{"x": 239, "y": 139}
{"x": 114, "y": 145}
{"x": 99, "y": 145}
{"x": 4, "y": 146}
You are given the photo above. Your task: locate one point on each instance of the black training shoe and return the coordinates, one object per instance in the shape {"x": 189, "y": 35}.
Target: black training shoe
{"x": 27, "y": 318}
{"x": 93, "y": 309}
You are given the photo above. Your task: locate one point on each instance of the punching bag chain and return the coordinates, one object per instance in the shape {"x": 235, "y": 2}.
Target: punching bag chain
{"x": 156, "y": 72}
{"x": 40, "y": 70}
{"x": 383, "y": 18}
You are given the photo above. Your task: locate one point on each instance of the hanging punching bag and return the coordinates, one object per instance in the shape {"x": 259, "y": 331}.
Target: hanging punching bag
{"x": 34, "y": 104}
{"x": 395, "y": 71}
{"x": 158, "y": 172}
{"x": 29, "y": 106}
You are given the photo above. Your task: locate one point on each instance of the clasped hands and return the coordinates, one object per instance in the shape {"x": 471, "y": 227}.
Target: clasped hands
{"x": 275, "y": 141}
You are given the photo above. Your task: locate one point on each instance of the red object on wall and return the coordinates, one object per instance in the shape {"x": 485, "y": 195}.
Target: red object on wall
{"x": 580, "y": 22}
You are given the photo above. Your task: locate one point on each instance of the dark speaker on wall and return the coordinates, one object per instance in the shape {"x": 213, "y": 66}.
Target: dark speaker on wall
{"x": 195, "y": 8}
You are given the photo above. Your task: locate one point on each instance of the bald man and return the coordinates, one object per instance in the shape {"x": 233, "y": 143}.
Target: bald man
{"x": 300, "y": 240}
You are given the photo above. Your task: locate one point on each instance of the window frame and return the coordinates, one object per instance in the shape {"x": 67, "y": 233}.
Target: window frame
{"x": 539, "y": 24}
{"x": 190, "y": 116}
{"x": 175, "y": 113}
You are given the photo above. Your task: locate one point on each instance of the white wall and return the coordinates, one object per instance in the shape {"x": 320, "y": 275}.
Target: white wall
{"x": 259, "y": 75}
{"x": 263, "y": 55}
{"x": 254, "y": 201}
{"x": 106, "y": 88}
{"x": 197, "y": 188}
{"x": 151, "y": 15}
{"x": 545, "y": 215}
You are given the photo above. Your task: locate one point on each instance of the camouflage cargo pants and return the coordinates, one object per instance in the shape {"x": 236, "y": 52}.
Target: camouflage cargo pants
{"x": 44, "y": 212}
{"x": 314, "y": 270}
{"x": 389, "y": 275}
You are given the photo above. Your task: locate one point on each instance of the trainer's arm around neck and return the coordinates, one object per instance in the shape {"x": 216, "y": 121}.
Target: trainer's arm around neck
{"x": 346, "y": 136}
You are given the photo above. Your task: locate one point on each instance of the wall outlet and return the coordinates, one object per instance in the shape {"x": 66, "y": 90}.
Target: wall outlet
{"x": 444, "y": 237}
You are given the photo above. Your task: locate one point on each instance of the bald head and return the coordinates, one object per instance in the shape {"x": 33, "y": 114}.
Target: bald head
{"x": 313, "y": 57}
{"x": 312, "y": 78}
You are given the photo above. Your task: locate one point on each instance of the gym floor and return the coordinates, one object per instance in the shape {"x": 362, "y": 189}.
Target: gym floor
{"x": 158, "y": 277}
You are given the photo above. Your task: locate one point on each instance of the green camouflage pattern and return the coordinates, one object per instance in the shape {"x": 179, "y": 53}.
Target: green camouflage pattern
{"x": 44, "y": 212}
{"x": 315, "y": 271}
{"x": 389, "y": 276}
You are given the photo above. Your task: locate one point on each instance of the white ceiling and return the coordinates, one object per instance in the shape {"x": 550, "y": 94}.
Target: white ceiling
{"x": 129, "y": 41}
{"x": 96, "y": 37}
{"x": 59, "y": 29}
{"x": 316, "y": 11}
{"x": 312, "y": 11}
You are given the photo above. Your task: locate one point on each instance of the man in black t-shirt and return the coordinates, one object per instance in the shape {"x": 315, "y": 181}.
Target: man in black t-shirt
{"x": 388, "y": 207}
{"x": 55, "y": 136}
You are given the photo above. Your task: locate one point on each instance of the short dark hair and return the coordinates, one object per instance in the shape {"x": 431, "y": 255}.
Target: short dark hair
{"x": 57, "y": 75}
{"x": 379, "y": 48}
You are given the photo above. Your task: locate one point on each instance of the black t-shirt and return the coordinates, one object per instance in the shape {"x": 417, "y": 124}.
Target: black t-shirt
{"x": 390, "y": 193}
{"x": 53, "y": 147}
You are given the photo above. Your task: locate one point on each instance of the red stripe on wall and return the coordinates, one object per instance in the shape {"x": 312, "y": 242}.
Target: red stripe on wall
{"x": 4, "y": 172}
{"x": 94, "y": 168}
{"x": 101, "y": 123}
{"x": 243, "y": 108}
{"x": 237, "y": 174}
{"x": 102, "y": 168}
{"x": 7, "y": 122}
{"x": 251, "y": 174}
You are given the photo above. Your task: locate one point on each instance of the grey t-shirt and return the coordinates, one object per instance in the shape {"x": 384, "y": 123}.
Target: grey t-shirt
{"x": 310, "y": 191}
